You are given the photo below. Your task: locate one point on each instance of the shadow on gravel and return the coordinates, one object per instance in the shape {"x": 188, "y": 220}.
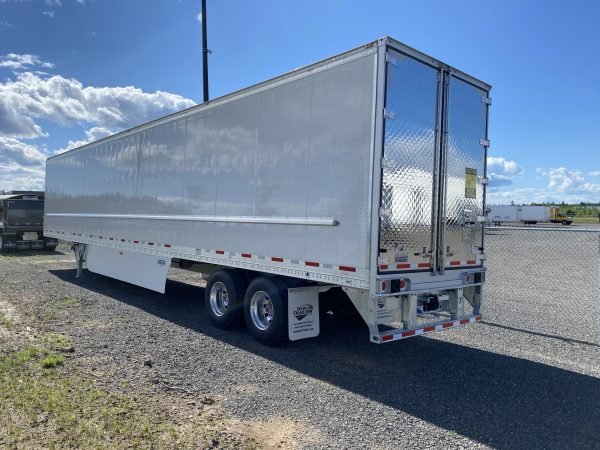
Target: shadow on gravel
{"x": 26, "y": 253}
{"x": 497, "y": 400}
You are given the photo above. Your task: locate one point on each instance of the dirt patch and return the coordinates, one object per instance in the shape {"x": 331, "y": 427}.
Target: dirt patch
{"x": 280, "y": 433}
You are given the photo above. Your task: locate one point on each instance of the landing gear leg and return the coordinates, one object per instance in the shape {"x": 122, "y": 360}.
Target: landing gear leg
{"x": 79, "y": 250}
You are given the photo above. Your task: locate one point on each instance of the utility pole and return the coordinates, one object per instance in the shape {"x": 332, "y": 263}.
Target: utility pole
{"x": 205, "y": 52}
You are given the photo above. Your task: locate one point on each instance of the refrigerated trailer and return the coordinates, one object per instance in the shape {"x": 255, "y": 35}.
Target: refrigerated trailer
{"x": 353, "y": 185}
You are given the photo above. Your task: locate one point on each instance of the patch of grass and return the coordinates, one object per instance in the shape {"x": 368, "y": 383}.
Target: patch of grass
{"x": 51, "y": 361}
{"x": 56, "y": 341}
{"x": 42, "y": 408}
{"x": 584, "y": 219}
{"x": 5, "y": 321}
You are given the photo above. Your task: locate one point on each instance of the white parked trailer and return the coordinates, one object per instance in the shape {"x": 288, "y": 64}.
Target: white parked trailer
{"x": 358, "y": 181}
{"x": 527, "y": 214}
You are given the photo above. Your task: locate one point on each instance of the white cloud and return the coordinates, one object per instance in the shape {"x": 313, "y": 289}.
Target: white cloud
{"x": 569, "y": 181}
{"x": 594, "y": 173}
{"x": 68, "y": 102}
{"x": 53, "y": 2}
{"x": 21, "y": 165}
{"x": 6, "y": 24}
{"x": 199, "y": 17}
{"x": 93, "y": 134}
{"x": 32, "y": 97}
{"x": 15, "y": 61}
{"x": 501, "y": 171}
{"x": 48, "y": 13}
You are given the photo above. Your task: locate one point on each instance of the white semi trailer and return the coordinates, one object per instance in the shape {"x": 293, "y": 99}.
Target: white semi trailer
{"x": 529, "y": 215}
{"x": 355, "y": 184}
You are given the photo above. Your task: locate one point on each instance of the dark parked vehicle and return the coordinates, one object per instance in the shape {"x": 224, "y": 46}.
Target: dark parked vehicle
{"x": 22, "y": 222}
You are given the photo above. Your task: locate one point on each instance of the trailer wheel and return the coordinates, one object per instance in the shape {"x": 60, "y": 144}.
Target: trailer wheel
{"x": 266, "y": 310}
{"x": 223, "y": 298}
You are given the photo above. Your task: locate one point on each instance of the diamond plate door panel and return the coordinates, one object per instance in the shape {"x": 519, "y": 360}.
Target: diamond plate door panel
{"x": 465, "y": 171}
{"x": 408, "y": 168}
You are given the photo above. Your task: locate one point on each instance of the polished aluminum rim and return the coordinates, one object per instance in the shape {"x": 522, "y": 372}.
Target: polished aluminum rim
{"x": 261, "y": 310}
{"x": 219, "y": 299}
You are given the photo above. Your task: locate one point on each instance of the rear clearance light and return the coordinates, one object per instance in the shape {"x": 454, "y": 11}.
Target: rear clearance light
{"x": 393, "y": 286}
{"x": 474, "y": 278}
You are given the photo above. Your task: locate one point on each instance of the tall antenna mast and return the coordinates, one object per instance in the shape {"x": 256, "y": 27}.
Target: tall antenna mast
{"x": 205, "y": 52}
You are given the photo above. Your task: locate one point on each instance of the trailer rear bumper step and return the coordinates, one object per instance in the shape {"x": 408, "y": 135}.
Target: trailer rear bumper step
{"x": 430, "y": 328}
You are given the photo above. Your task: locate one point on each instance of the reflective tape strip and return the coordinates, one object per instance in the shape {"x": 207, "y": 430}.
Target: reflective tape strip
{"x": 429, "y": 329}
{"x": 243, "y": 255}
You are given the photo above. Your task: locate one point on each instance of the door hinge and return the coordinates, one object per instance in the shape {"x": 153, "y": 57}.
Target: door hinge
{"x": 388, "y": 114}
{"x": 390, "y": 59}
{"x": 484, "y": 142}
{"x": 486, "y": 100}
{"x": 387, "y": 163}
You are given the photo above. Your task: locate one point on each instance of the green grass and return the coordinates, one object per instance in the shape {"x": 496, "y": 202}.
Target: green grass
{"x": 52, "y": 361}
{"x": 41, "y": 407}
{"x": 6, "y": 322}
{"x": 584, "y": 219}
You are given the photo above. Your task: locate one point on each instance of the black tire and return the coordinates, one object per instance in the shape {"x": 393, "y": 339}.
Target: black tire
{"x": 227, "y": 315}
{"x": 344, "y": 310}
{"x": 275, "y": 330}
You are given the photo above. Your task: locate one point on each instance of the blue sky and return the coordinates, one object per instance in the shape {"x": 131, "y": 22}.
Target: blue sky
{"x": 75, "y": 70}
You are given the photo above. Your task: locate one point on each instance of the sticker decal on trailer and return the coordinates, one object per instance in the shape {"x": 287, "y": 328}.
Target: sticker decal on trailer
{"x": 470, "y": 183}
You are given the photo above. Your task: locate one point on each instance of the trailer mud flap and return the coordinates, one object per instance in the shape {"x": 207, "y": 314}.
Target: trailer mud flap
{"x": 303, "y": 313}
{"x": 148, "y": 271}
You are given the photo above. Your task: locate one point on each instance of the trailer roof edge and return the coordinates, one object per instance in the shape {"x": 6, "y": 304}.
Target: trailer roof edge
{"x": 386, "y": 40}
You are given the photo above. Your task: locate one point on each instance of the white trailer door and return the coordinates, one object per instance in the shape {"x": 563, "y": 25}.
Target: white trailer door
{"x": 407, "y": 222}
{"x": 463, "y": 167}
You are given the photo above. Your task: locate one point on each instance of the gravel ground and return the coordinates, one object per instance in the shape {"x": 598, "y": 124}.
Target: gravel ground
{"x": 497, "y": 384}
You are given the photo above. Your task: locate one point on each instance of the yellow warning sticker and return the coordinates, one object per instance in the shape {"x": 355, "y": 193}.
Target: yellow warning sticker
{"x": 470, "y": 183}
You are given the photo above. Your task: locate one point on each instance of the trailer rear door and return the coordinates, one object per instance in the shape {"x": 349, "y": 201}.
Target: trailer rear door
{"x": 406, "y": 228}
{"x": 433, "y": 167}
{"x": 463, "y": 168}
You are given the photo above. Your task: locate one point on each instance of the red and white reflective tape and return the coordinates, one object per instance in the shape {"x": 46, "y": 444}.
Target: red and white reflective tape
{"x": 429, "y": 329}
{"x": 395, "y": 267}
{"x": 404, "y": 266}
{"x": 221, "y": 254}
{"x": 469, "y": 262}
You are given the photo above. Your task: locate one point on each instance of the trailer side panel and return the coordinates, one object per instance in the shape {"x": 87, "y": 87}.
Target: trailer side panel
{"x": 277, "y": 178}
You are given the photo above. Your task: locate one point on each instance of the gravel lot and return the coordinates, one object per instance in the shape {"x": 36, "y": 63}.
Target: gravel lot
{"x": 500, "y": 384}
